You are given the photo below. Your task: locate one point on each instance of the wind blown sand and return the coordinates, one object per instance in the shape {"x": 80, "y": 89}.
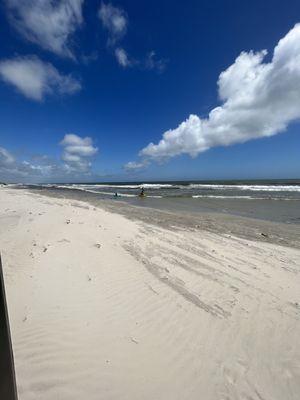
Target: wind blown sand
{"x": 104, "y": 307}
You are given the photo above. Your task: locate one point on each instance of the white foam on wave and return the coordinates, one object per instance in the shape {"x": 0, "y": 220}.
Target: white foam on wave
{"x": 258, "y": 188}
{"x": 145, "y": 185}
{"x": 227, "y": 197}
{"x": 255, "y": 188}
{"x": 156, "y": 186}
{"x": 240, "y": 197}
{"x": 103, "y": 185}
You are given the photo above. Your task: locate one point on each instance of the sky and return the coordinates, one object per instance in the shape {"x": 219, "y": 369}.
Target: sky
{"x": 136, "y": 90}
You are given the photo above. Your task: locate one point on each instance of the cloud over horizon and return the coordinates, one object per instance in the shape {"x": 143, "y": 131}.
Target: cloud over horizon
{"x": 259, "y": 100}
{"x": 35, "y": 78}
{"x": 78, "y": 152}
{"x": 47, "y": 23}
{"x": 16, "y": 170}
{"x": 75, "y": 163}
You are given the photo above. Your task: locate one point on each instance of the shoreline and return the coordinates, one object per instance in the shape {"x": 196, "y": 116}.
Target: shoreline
{"x": 256, "y": 202}
{"x": 220, "y": 223}
{"x": 142, "y": 306}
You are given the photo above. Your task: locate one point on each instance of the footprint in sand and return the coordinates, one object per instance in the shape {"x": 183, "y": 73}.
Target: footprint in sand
{"x": 64, "y": 241}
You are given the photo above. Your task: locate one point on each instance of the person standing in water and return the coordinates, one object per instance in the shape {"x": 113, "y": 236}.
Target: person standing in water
{"x": 142, "y": 194}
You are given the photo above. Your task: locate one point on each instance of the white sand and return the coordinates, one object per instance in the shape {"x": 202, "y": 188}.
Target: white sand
{"x": 105, "y": 308}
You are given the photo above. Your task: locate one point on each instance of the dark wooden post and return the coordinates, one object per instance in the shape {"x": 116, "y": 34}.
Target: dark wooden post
{"x": 8, "y": 390}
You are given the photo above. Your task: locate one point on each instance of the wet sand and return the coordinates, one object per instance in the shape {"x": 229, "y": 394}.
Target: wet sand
{"x": 258, "y": 229}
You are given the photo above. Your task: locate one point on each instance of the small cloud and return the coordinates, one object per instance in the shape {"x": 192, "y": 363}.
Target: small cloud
{"x": 150, "y": 63}
{"x": 77, "y": 152}
{"x": 122, "y": 58}
{"x": 114, "y": 20}
{"x": 35, "y": 79}
{"x": 35, "y": 169}
{"x": 133, "y": 166}
{"x": 49, "y": 24}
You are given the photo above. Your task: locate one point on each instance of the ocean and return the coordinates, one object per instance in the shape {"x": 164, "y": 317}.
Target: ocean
{"x": 277, "y": 200}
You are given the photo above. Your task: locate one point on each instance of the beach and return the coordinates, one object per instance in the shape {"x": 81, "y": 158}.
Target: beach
{"x": 108, "y": 300}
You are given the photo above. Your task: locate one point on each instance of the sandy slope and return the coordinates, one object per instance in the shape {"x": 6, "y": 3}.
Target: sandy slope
{"x": 105, "y": 308}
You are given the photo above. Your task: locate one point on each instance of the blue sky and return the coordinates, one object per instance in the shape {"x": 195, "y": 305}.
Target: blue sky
{"x": 86, "y": 86}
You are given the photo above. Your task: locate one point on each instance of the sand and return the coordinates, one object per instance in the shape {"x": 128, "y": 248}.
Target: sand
{"x": 105, "y": 307}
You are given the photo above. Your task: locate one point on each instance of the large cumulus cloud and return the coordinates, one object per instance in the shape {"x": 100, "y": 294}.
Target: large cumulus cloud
{"x": 259, "y": 99}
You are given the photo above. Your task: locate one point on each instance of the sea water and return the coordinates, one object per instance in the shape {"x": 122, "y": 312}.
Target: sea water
{"x": 277, "y": 200}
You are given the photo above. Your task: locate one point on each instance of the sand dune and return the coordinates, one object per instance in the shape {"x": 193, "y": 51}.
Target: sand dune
{"x": 103, "y": 307}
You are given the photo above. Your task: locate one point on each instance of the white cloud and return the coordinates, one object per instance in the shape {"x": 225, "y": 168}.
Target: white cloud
{"x": 35, "y": 79}
{"x": 259, "y": 100}
{"x": 149, "y": 63}
{"x": 36, "y": 169}
{"x": 122, "y": 57}
{"x": 48, "y": 23}
{"x": 75, "y": 164}
{"x": 114, "y": 20}
{"x": 12, "y": 169}
{"x": 135, "y": 166}
{"x": 78, "y": 152}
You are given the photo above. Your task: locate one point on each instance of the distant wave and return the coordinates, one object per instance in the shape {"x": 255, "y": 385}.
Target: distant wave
{"x": 257, "y": 188}
{"x": 144, "y": 185}
{"x": 103, "y": 185}
{"x": 154, "y": 186}
{"x": 239, "y": 197}
{"x": 210, "y": 196}
{"x": 189, "y": 190}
